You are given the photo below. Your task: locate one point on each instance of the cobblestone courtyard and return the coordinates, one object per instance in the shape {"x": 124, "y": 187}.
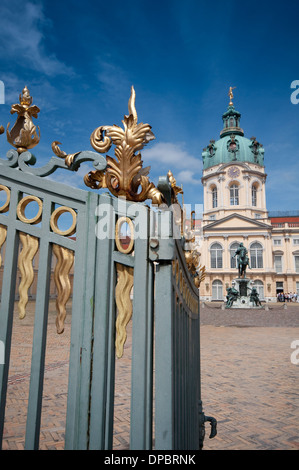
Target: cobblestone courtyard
{"x": 249, "y": 383}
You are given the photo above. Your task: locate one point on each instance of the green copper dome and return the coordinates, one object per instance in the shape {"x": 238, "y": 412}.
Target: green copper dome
{"x": 232, "y": 145}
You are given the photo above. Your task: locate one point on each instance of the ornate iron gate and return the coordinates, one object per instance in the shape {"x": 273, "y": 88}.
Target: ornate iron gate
{"x": 165, "y": 380}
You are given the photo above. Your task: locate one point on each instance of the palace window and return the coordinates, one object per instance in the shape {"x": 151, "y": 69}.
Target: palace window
{"x": 254, "y": 195}
{"x": 260, "y": 289}
{"x": 216, "y": 255}
{"x": 217, "y": 290}
{"x": 256, "y": 255}
{"x": 277, "y": 241}
{"x": 295, "y": 241}
{"x": 278, "y": 263}
{"x": 233, "y": 261}
{"x": 234, "y": 195}
{"x": 214, "y": 197}
{"x": 296, "y": 263}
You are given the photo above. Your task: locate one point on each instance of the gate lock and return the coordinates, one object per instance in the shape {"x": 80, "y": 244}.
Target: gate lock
{"x": 203, "y": 419}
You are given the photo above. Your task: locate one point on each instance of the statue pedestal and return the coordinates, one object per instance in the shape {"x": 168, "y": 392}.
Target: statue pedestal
{"x": 243, "y": 286}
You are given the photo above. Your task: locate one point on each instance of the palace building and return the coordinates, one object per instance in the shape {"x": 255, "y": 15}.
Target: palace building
{"x": 234, "y": 184}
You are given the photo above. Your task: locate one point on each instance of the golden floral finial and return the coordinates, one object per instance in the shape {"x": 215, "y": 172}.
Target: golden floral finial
{"x": 23, "y": 135}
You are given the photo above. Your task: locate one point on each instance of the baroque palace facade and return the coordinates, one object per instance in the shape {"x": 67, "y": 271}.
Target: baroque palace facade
{"x": 234, "y": 183}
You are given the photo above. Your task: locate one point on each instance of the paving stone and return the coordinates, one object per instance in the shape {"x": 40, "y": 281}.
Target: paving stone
{"x": 248, "y": 381}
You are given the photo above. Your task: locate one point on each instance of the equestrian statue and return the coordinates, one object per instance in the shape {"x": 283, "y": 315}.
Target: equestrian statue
{"x": 242, "y": 260}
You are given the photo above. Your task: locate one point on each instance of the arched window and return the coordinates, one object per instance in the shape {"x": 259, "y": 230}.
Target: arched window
{"x": 234, "y": 195}
{"x": 256, "y": 255}
{"x": 216, "y": 255}
{"x": 214, "y": 197}
{"x": 254, "y": 195}
{"x": 233, "y": 248}
{"x": 259, "y": 285}
{"x": 217, "y": 290}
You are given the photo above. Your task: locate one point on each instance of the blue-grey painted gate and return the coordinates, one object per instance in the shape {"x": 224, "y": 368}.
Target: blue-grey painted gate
{"x": 166, "y": 410}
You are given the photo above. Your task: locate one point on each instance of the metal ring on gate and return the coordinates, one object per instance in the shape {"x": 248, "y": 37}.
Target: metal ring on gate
{"x": 54, "y": 219}
{"x": 120, "y": 247}
{"x": 22, "y": 206}
{"x": 5, "y": 206}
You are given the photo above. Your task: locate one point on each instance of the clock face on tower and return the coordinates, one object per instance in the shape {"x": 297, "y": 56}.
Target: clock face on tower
{"x": 234, "y": 172}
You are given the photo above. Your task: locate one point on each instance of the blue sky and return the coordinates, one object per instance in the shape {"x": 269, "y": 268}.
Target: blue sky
{"x": 79, "y": 60}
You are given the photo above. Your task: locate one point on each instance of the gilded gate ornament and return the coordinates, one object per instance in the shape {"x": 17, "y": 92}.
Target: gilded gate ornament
{"x": 124, "y": 305}
{"x": 125, "y": 175}
{"x": 28, "y": 251}
{"x": 65, "y": 261}
{"x": 68, "y": 158}
{"x": 23, "y": 135}
{"x": 3, "y": 233}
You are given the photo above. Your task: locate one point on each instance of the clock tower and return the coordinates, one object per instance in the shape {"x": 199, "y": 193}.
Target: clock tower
{"x": 234, "y": 210}
{"x": 233, "y": 173}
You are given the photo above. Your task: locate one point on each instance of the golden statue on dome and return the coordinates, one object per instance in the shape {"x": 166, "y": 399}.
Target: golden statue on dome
{"x": 231, "y": 95}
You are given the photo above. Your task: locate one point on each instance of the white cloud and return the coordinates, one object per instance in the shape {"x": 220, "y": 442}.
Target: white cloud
{"x": 22, "y": 37}
{"x": 166, "y": 153}
{"x": 173, "y": 157}
{"x": 187, "y": 176}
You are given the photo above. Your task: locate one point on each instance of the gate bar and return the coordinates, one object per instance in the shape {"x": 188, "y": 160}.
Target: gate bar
{"x": 142, "y": 342}
{"x": 7, "y": 302}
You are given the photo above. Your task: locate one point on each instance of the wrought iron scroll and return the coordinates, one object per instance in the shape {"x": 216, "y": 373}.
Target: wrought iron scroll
{"x": 23, "y": 136}
{"x": 26, "y": 160}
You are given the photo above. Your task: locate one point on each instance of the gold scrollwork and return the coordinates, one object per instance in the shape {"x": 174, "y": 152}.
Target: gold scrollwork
{"x": 22, "y": 206}
{"x": 28, "y": 251}
{"x": 5, "y": 206}
{"x": 65, "y": 261}
{"x": 68, "y": 158}
{"x": 119, "y": 245}
{"x": 54, "y": 219}
{"x": 123, "y": 301}
{"x": 177, "y": 272}
{"x": 3, "y": 232}
{"x": 125, "y": 175}
{"x": 200, "y": 276}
